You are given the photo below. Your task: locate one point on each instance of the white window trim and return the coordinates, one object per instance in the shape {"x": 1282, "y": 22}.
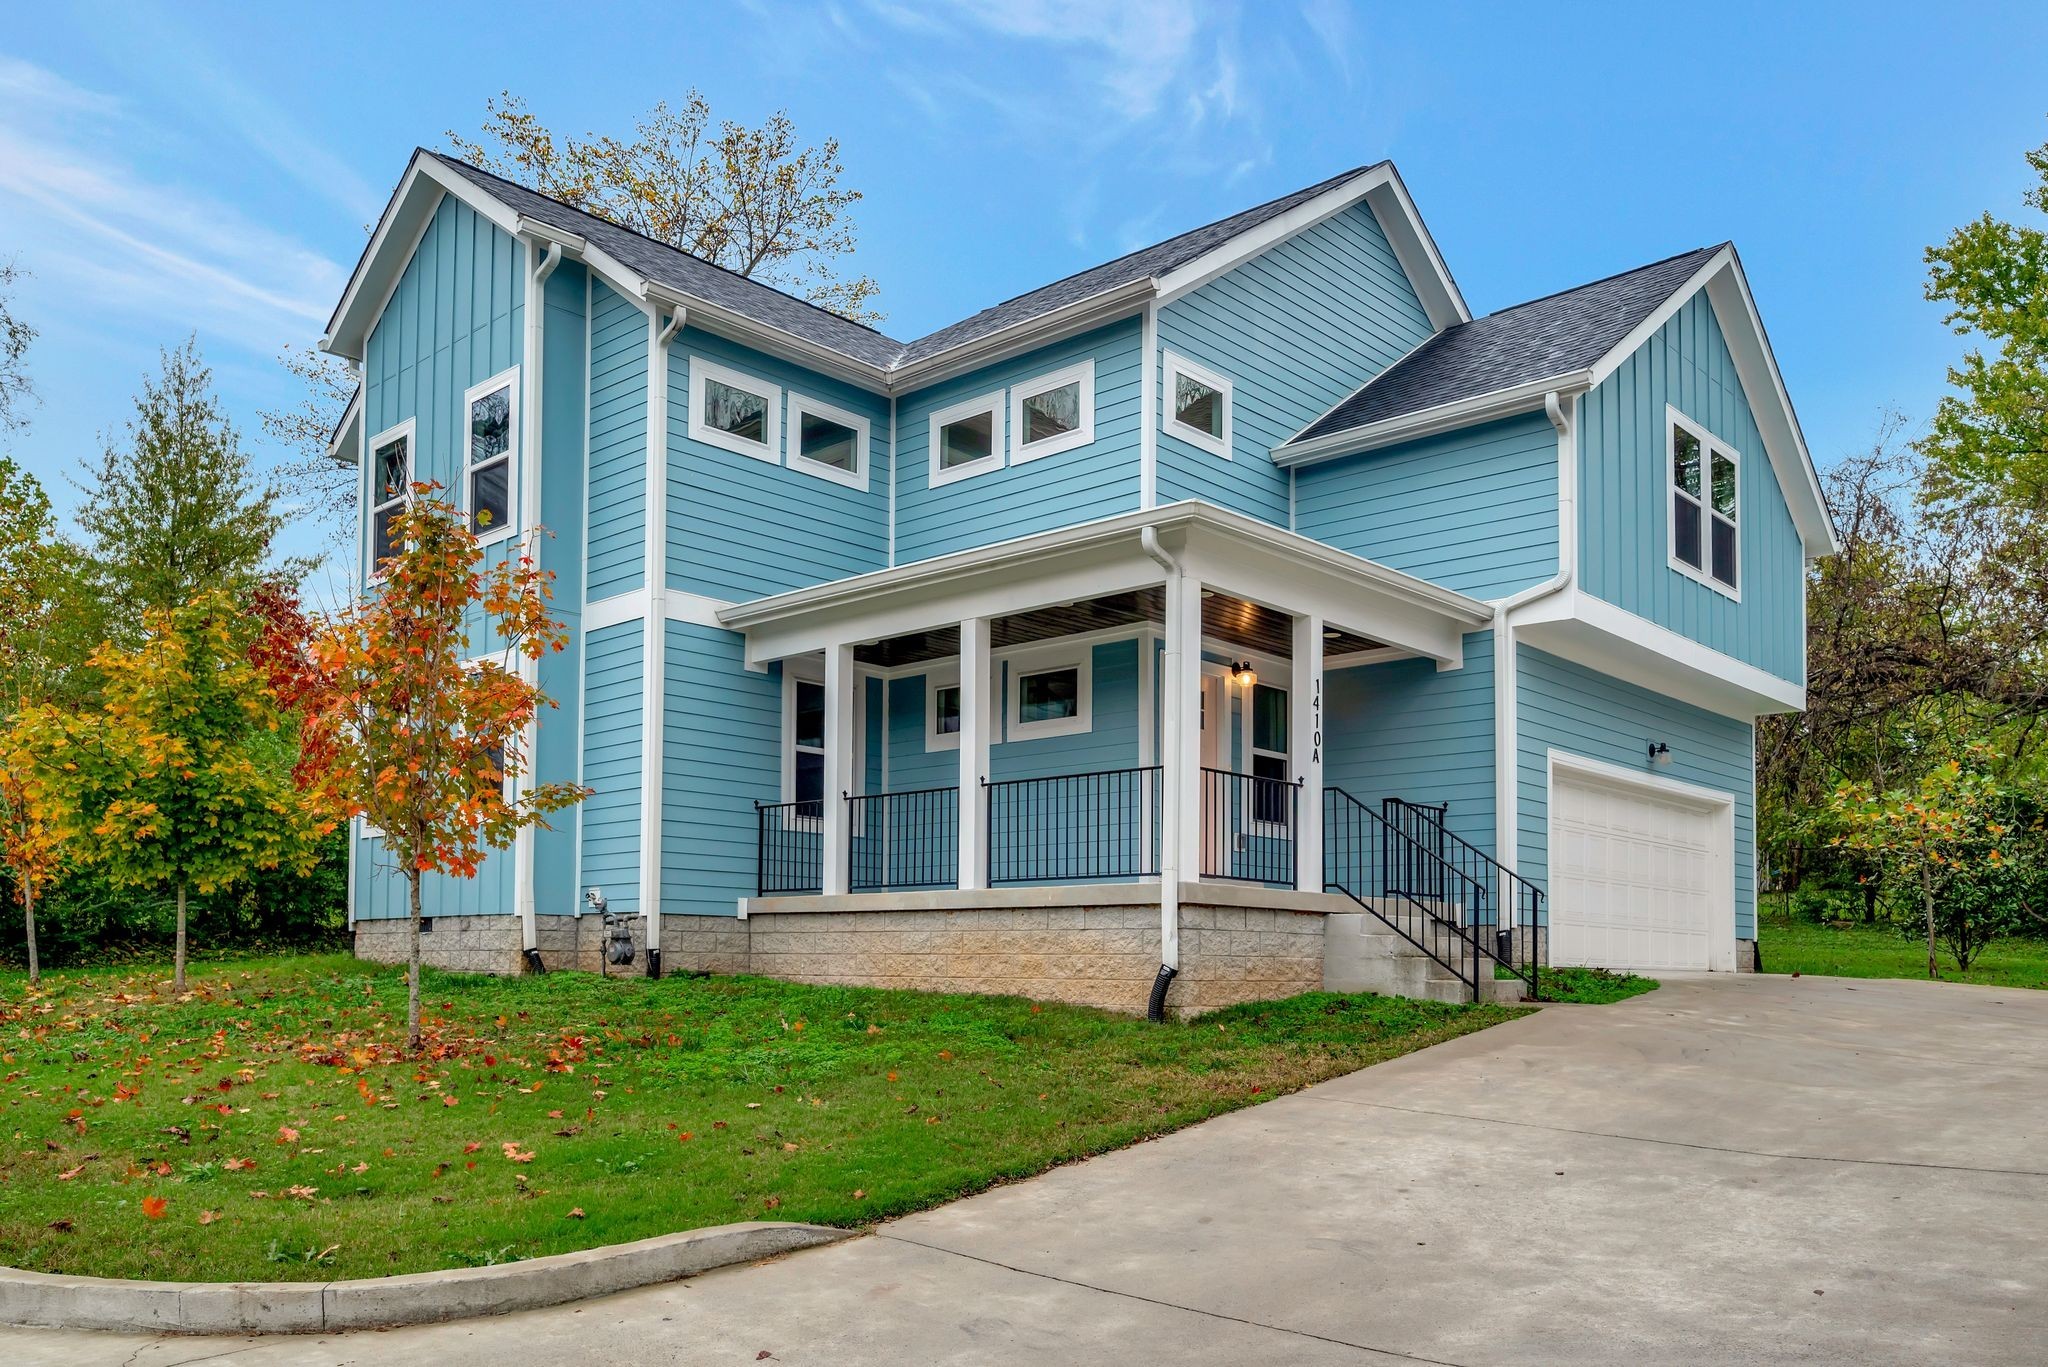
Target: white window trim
{"x": 936, "y": 678}
{"x": 1081, "y": 373}
{"x": 504, "y": 379}
{"x": 1177, "y": 365}
{"x": 799, "y": 405}
{"x": 1079, "y": 659}
{"x": 1252, "y": 750}
{"x": 409, "y": 429}
{"x": 812, "y": 671}
{"x": 770, "y": 450}
{"x": 1709, "y": 444}
{"x": 992, "y": 404}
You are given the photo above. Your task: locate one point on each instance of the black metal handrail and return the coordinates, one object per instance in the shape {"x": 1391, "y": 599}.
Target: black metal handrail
{"x": 1518, "y": 940}
{"x": 789, "y": 847}
{"x": 1251, "y": 827}
{"x": 1396, "y": 878}
{"x": 908, "y": 839}
{"x": 1072, "y": 828}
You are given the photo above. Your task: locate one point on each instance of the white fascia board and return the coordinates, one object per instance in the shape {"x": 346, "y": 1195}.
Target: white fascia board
{"x": 1429, "y": 422}
{"x": 405, "y": 219}
{"x": 1763, "y": 386}
{"x": 1592, "y": 632}
{"x": 1083, "y": 315}
{"x": 1428, "y": 274}
{"x": 342, "y": 448}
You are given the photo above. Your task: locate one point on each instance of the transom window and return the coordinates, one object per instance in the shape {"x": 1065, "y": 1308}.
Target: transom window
{"x": 1198, "y": 405}
{"x": 1705, "y": 506}
{"x": 390, "y": 491}
{"x": 491, "y": 410}
{"x": 1049, "y": 695}
{"x": 735, "y": 411}
{"x": 966, "y": 439}
{"x": 1269, "y": 754}
{"x": 828, "y": 442}
{"x": 1053, "y": 413}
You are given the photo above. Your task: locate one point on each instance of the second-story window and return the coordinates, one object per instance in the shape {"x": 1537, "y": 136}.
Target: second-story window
{"x": 966, "y": 439}
{"x": 1705, "y": 507}
{"x": 491, "y": 434}
{"x": 735, "y": 411}
{"x": 390, "y": 490}
{"x": 1198, "y": 406}
{"x": 1053, "y": 413}
{"x": 828, "y": 442}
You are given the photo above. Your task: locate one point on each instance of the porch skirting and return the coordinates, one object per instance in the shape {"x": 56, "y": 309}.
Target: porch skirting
{"x": 1092, "y": 945}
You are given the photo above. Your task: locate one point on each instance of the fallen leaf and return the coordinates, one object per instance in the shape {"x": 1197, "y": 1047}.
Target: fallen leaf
{"x": 287, "y": 1135}
{"x": 471, "y": 1148}
{"x": 772, "y": 1202}
{"x": 860, "y": 1195}
{"x": 576, "y": 1214}
{"x": 239, "y": 1164}
{"x": 67, "y": 1175}
{"x": 207, "y": 1217}
{"x": 62, "y": 1226}
{"x": 154, "y": 1207}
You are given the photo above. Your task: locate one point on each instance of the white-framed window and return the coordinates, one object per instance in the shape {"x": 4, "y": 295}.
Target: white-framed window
{"x": 1706, "y": 503}
{"x": 1266, "y": 734}
{"x": 966, "y": 439}
{"x": 1050, "y": 693}
{"x": 1198, "y": 406}
{"x": 942, "y": 708}
{"x": 490, "y": 446}
{"x": 736, "y": 411}
{"x": 803, "y": 751}
{"x": 1053, "y": 413}
{"x": 391, "y": 478}
{"x": 828, "y": 442}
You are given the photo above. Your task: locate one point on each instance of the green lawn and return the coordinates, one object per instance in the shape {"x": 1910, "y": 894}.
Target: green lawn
{"x": 269, "y": 1127}
{"x": 1587, "y": 986}
{"x": 1858, "y": 951}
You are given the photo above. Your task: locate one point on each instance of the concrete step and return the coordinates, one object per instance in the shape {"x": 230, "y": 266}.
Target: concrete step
{"x": 1361, "y": 953}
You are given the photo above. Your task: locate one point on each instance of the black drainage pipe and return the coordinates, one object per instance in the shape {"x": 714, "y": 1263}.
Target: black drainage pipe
{"x": 1155, "y": 1010}
{"x": 654, "y": 961}
{"x": 533, "y": 961}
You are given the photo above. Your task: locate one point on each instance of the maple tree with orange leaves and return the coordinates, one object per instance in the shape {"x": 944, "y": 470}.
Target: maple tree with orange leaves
{"x": 414, "y": 732}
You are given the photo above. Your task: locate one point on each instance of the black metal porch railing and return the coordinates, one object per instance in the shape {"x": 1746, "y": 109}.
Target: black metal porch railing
{"x": 1250, "y": 827}
{"x": 1402, "y": 881}
{"x": 1074, "y": 828}
{"x": 789, "y": 847}
{"x": 904, "y": 840}
{"x": 1510, "y": 906}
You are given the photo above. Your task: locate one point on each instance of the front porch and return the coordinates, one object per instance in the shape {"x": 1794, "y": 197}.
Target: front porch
{"x": 1140, "y": 705}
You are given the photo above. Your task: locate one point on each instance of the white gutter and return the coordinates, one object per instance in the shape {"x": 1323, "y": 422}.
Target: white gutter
{"x": 1428, "y": 422}
{"x": 1171, "y": 724}
{"x": 1506, "y": 806}
{"x": 529, "y": 502}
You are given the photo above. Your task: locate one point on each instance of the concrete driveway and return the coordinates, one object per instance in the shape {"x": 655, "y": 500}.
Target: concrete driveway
{"x": 1727, "y": 1170}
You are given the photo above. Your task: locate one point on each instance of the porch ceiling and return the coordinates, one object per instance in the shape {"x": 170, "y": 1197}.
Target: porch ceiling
{"x": 1235, "y": 621}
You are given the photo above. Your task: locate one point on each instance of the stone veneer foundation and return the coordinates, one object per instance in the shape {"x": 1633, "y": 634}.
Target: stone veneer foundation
{"x": 1092, "y": 945}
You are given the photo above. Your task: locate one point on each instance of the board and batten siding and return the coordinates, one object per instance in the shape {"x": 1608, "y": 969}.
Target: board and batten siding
{"x": 740, "y": 527}
{"x": 721, "y": 753}
{"x": 1295, "y": 330}
{"x": 1088, "y": 482}
{"x": 614, "y": 669}
{"x": 1625, "y": 500}
{"x": 1473, "y": 510}
{"x": 1409, "y": 730}
{"x": 1568, "y": 707}
{"x": 618, "y": 443}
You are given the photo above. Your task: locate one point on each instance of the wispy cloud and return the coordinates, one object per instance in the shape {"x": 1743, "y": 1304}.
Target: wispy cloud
{"x": 1330, "y": 22}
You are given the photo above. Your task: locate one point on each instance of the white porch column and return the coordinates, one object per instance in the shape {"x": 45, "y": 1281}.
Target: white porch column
{"x": 1180, "y": 755}
{"x": 977, "y": 727}
{"x": 839, "y": 748}
{"x": 1305, "y": 745}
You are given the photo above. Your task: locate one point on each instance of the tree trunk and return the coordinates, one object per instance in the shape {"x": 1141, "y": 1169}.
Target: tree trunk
{"x": 178, "y": 957}
{"x": 28, "y": 902}
{"x": 412, "y": 963}
{"x": 1927, "y": 902}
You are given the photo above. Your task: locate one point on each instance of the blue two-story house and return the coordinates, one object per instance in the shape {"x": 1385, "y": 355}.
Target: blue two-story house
{"x": 1121, "y": 638}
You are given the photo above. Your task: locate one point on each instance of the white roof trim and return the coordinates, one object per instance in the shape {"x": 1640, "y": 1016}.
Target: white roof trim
{"x": 350, "y": 417}
{"x": 1428, "y": 422}
{"x": 1594, "y": 632}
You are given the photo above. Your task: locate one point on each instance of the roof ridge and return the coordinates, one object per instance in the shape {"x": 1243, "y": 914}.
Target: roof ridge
{"x": 666, "y": 246}
{"x": 1588, "y": 284}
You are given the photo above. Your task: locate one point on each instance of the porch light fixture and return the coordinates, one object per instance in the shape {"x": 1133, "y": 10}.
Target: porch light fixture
{"x": 1243, "y": 673}
{"x": 1660, "y": 753}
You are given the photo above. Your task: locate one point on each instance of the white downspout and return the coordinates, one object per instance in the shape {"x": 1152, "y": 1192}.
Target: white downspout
{"x": 654, "y": 635}
{"x": 529, "y": 501}
{"x": 1172, "y": 723}
{"x": 1506, "y": 803}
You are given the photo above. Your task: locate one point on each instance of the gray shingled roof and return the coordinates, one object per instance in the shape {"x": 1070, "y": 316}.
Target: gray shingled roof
{"x": 1553, "y": 335}
{"x": 692, "y": 275}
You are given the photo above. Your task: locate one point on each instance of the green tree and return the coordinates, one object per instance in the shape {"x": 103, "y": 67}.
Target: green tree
{"x": 177, "y": 780}
{"x": 15, "y": 390}
{"x": 413, "y": 735}
{"x": 177, "y": 509}
{"x": 305, "y": 428}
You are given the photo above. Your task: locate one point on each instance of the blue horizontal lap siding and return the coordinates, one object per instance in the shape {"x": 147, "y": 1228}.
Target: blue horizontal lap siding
{"x": 1061, "y": 820}
{"x": 1295, "y": 330}
{"x": 1571, "y": 708}
{"x": 722, "y": 752}
{"x": 1405, "y": 729}
{"x": 1474, "y": 510}
{"x": 741, "y": 528}
{"x": 618, "y": 443}
{"x": 557, "y": 757}
{"x": 1088, "y": 482}
{"x": 1625, "y": 500}
{"x": 612, "y": 763}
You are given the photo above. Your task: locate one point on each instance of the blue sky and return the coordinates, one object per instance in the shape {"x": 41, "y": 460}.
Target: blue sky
{"x": 212, "y": 168}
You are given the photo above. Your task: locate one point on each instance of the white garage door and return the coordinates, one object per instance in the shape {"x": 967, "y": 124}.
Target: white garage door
{"x": 1640, "y": 875}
